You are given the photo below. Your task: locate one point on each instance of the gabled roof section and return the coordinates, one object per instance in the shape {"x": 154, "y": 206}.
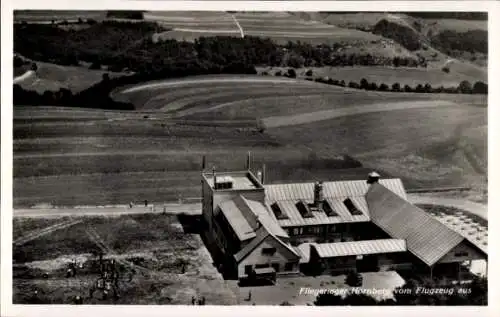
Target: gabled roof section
{"x": 237, "y": 220}
{"x": 426, "y": 238}
{"x": 262, "y": 234}
{"x": 264, "y": 217}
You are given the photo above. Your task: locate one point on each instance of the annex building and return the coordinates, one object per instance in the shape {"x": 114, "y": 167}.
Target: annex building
{"x": 325, "y": 227}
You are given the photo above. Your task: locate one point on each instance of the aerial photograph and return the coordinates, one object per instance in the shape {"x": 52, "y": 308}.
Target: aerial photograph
{"x": 250, "y": 158}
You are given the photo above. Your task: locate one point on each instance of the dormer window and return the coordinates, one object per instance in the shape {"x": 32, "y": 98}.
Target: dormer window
{"x": 352, "y": 207}
{"x": 278, "y": 212}
{"x": 304, "y": 210}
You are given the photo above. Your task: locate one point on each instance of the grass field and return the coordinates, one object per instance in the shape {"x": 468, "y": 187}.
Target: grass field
{"x": 170, "y": 265}
{"x": 54, "y": 77}
{"x": 67, "y": 157}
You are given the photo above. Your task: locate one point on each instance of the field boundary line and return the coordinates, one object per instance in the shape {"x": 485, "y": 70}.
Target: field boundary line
{"x": 238, "y": 25}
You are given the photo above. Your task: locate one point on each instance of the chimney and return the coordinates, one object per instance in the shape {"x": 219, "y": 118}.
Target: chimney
{"x": 259, "y": 176}
{"x": 373, "y": 177}
{"x": 203, "y": 162}
{"x": 318, "y": 194}
{"x": 263, "y": 178}
{"x": 214, "y": 176}
{"x": 248, "y": 161}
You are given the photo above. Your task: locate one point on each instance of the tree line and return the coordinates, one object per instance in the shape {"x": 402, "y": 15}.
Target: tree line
{"x": 465, "y": 87}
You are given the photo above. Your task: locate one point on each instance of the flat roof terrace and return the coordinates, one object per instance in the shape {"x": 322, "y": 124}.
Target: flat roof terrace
{"x": 240, "y": 180}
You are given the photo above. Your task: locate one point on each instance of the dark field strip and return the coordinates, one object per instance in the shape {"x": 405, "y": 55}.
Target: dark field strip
{"x": 133, "y": 128}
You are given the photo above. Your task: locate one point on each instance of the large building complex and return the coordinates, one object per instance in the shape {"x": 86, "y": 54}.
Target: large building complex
{"x": 325, "y": 227}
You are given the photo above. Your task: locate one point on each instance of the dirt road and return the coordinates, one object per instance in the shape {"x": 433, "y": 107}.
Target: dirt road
{"x": 191, "y": 209}
{"x": 472, "y": 207}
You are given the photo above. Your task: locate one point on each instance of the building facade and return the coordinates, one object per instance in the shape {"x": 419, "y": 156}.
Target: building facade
{"x": 323, "y": 228}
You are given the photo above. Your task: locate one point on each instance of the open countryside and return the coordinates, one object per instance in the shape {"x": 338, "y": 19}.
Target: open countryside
{"x": 122, "y": 124}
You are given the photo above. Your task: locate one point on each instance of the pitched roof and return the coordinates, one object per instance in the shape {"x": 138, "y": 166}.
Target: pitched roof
{"x": 426, "y": 237}
{"x": 334, "y": 193}
{"x": 337, "y": 189}
{"x": 327, "y": 250}
{"x": 304, "y": 250}
{"x": 265, "y": 218}
{"x": 237, "y": 220}
{"x": 261, "y": 235}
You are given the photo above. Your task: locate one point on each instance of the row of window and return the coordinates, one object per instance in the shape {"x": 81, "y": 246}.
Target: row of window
{"x": 289, "y": 266}
{"x": 314, "y": 230}
{"x": 461, "y": 253}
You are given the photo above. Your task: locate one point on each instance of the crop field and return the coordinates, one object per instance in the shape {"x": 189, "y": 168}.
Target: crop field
{"x": 53, "y": 77}
{"x": 158, "y": 262}
{"x": 279, "y": 26}
{"x": 41, "y": 15}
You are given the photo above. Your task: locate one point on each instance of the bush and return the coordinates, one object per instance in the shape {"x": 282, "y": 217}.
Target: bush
{"x": 445, "y": 69}
{"x": 480, "y": 88}
{"x": 278, "y": 73}
{"x": 309, "y": 73}
{"x": 465, "y": 87}
{"x": 383, "y": 87}
{"x": 327, "y": 299}
{"x": 407, "y": 88}
{"x": 428, "y": 88}
{"x": 363, "y": 84}
{"x": 372, "y": 86}
{"x": 354, "y": 279}
{"x": 291, "y": 73}
{"x": 353, "y": 85}
{"x": 396, "y": 87}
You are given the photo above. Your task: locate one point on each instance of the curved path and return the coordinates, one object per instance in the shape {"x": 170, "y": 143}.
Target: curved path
{"x": 23, "y": 77}
{"x": 467, "y": 205}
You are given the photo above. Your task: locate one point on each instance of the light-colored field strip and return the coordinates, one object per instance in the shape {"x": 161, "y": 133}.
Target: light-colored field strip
{"x": 205, "y": 30}
{"x": 242, "y": 80}
{"x": 23, "y": 77}
{"x": 190, "y": 209}
{"x": 467, "y": 205}
{"x": 279, "y": 121}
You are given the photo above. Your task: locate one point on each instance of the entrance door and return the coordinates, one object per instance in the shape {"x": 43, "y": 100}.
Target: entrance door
{"x": 367, "y": 263}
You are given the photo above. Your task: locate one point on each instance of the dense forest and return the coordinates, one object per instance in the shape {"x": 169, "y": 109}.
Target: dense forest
{"x": 128, "y": 45}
